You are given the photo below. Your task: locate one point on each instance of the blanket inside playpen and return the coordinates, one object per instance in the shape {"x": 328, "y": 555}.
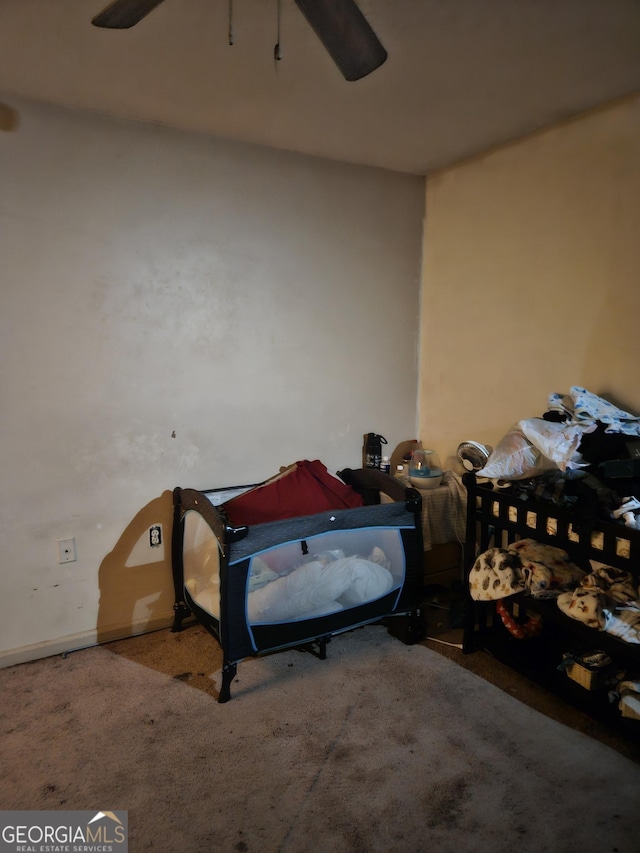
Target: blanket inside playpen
{"x": 303, "y": 488}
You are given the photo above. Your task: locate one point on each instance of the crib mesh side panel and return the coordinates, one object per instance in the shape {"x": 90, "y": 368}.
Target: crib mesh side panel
{"x": 265, "y": 618}
{"x": 201, "y": 563}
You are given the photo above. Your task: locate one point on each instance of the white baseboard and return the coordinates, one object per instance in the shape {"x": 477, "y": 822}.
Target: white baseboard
{"x": 74, "y": 642}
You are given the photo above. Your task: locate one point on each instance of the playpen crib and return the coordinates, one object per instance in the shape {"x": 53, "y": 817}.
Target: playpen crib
{"x": 298, "y": 581}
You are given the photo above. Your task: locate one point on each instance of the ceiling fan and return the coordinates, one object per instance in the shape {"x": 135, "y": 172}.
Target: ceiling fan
{"x": 339, "y": 24}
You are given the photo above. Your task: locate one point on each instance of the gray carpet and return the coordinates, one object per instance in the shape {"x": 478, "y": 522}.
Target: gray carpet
{"x": 382, "y": 747}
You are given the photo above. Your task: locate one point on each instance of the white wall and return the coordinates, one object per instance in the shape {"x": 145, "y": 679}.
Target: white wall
{"x": 178, "y": 310}
{"x": 530, "y": 280}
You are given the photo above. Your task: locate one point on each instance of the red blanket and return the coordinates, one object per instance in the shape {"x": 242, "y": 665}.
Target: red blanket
{"x": 304, "y": 488}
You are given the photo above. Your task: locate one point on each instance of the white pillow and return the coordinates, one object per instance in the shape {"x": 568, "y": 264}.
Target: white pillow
{"x": 515, "y": 458}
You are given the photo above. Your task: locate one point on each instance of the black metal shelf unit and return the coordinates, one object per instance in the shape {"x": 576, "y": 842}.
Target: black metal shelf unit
{"x": 498, "y": 517}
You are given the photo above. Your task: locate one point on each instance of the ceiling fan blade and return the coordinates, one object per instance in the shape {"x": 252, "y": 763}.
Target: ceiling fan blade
{"x": 122, "y": 14}
{"x": 346, "y": 34}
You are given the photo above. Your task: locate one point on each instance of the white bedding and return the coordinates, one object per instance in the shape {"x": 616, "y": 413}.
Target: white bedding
{"x": 313, "y": 589}
{"x": 535, "y": 445}
{"x": 316, "y": 588}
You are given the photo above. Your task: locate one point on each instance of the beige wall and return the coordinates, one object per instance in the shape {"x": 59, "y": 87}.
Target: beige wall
{"x": 178, "y": 310}
{"x": 530, "y": 279}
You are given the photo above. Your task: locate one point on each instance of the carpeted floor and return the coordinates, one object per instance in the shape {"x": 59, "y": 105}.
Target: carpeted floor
{"x": 381, "y": 747}
{"x": 176, "y": 655}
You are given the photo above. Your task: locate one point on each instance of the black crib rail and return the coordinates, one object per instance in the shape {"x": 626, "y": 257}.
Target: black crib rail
{"x": 499, "y": 518}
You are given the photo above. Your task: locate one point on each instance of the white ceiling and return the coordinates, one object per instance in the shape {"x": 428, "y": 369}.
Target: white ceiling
{"x": 462, "y": 75}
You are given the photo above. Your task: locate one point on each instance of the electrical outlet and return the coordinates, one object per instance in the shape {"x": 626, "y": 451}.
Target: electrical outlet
{"x": 155, "y": 536}
{"x": 66, "y": 550}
